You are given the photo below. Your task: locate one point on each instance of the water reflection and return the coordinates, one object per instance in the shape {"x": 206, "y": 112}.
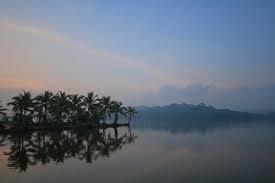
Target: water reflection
{"x": 43, "y": 147}
{"x": 196, "y": 126}
{"x": 224, "y": 152}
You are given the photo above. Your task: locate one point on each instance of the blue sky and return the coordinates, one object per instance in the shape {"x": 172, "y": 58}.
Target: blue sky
{"x": 135, "y": 50}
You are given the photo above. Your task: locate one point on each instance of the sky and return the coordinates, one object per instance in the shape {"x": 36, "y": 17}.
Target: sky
{"x": 142, "y": 52}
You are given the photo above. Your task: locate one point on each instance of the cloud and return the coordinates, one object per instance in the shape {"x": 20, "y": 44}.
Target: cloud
{"x": 103, "y": 56}
{"x": 244, "y": 97}
{"x": 238, "y": 98}
{"x": 193, "y": 93}
{"x": 15, "y": 83}
{"x": 194, "y": 90}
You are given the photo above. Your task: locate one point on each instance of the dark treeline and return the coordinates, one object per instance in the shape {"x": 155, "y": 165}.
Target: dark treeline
{"x": 43, "y": 147}
{"x": 200, "y": 112}
{"x": 49, "y": 110}
{"x": 201, "y": 118}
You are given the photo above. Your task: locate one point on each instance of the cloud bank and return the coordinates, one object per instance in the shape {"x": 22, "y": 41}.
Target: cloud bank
{"x": 239, "y": 98}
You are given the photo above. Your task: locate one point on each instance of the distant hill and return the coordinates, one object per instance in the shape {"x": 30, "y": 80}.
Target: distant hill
{"x": 195, "y": 112}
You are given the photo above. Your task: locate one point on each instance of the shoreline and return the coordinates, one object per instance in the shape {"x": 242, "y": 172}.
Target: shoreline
{"x": 62, "y": 127}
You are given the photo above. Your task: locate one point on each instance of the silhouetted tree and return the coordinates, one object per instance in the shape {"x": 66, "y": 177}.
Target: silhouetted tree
{"x": 59, "y": 107}
{"x": 2, "y": 114}
{"x": 76, "y": 106}
{"x": 22, "y": 106}
{"x": 93, "y": 106}
{"x": 43, "y": 102}
{"x": 105, "y": 109}
{"x": 2, "y": 109}
{"x": 117, "y": 108}
{"x": 131, "y": 112}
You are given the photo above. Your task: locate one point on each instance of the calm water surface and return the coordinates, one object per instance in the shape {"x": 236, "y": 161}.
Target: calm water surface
{"x": 239, "y": 153}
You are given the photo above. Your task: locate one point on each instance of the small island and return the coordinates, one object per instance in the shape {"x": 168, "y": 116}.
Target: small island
{"x": 60, "y": 111}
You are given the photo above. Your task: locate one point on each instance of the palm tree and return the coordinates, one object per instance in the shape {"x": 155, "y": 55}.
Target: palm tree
{"x": 43, "y": 103}
{"x": 22, "y": 106}
{"x": 117, "y": 109}
{"x": 91, "y": 100}
{"x": 2, "y": 113}
{"x": 2, "y": 110}
{"x": 76, "y": 105}
{"x": 106, "y": 105}
{"x": 131, "y": 112}
{"x": 92, "y": 103}
{"x": 59, "y": 106}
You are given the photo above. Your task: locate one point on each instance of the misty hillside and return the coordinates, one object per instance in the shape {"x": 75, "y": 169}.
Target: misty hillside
{"x": 195, "y": 112}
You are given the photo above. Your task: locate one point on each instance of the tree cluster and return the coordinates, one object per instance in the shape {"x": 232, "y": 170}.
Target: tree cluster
{"x": 60, "y": 108}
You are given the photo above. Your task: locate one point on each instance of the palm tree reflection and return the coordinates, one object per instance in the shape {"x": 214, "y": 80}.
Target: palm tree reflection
{"x": 45, "y": 147}
{"x": 20, "y": 152}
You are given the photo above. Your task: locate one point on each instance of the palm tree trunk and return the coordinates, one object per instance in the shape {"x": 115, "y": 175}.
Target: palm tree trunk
{"x": 45, "y": 113}
{"x": 116, "y": 133}
{"x": 23, "y": 119}
{"x": 130, "y": 118}
{"x": 39, "y": 118}
{"x": 116, "y": 118}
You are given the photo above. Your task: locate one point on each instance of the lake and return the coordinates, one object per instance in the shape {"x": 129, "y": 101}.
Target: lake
{"x": 241, "y": 152}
